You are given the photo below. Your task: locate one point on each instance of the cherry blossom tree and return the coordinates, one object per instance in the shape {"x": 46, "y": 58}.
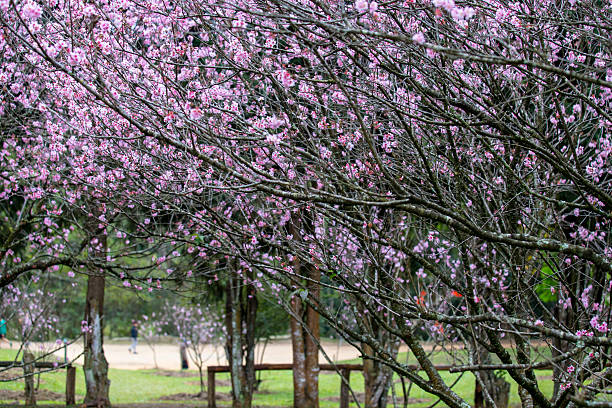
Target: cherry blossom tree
{"x": 30, "y": 310}
{"x": 150, "y": 329}
{"x": 200, "y": 328}
{"x": 462, "y": 150}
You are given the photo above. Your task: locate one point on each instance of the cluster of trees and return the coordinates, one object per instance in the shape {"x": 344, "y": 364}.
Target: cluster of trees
{"x": 442, "y": 167}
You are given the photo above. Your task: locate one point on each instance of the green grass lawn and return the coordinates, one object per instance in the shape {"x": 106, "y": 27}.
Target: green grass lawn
{"x": 129, "y": 386}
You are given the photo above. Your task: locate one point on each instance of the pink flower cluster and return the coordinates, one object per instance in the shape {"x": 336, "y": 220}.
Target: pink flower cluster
{"x": 76, "y": 57}
{"x": 600, "y": 327}
{"x": 31, "y": 11}
{"x": 458, "y": 13}
{"x": 363, "y": 6}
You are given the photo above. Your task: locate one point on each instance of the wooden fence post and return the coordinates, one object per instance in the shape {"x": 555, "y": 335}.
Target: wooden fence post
{"x": 211, "y": 389}
{"x": 344, "y": 387}
{"x": 70, "y": 385}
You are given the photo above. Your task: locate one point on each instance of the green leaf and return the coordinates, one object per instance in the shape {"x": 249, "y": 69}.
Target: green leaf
{"x": 548, "y": 280}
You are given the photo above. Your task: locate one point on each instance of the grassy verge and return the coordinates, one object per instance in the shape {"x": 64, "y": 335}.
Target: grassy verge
{"x": 276, "y": 389}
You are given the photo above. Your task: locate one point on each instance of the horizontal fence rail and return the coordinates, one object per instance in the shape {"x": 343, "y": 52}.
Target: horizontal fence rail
{"x": 70, "y": 374}
{"x": 345, "y": 372}
{"x": 344, "y": 369}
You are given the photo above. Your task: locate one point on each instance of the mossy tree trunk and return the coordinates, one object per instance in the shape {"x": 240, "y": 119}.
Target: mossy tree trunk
{"x": 95, "y": 365}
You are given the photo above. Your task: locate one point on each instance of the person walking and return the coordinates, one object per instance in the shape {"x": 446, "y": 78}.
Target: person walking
{"x": 134, "y": 336}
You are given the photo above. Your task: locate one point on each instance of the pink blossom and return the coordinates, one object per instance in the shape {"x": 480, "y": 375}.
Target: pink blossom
{"x": 195, "y": 114}
{"x": 104, "y": 26}
{"x": 285, "y": 78}
{"x": 76, "y": 57}
{"x": 31, "y": 11}
{"x": 52, "y": 51}
{"x": 89, "y": 10}
{"x": 419, "y": 38}
{"x": 468, "y": 12}
{"x": 361, "y": 5}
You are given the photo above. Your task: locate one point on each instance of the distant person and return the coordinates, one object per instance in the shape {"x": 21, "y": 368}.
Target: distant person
{"x": 183, "y": 351}
{"x": 3, "y": 332}
{"x": 134, "y": 336}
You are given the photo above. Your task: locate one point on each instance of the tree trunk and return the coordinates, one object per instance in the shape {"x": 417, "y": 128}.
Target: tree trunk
{"x": 299, "y": 360}
{"x": 250, "y": 302}
{"x": 377, "y": 380}
{"x": 28, "y": 370}
{"x": 240, "y": 314}
{"x": 499, "y": 389}
{"x": 494, "y": 387}
{"x": 95, "y": 365}
{"x": 201, "y": 394}
{"x": 305, "y": 348}
{"x": 526, "y": 400}
{"x": 305, "y": 332}
{"x": 312, "y": 340}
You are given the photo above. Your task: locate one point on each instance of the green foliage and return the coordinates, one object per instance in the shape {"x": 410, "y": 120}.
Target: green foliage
{"x": 272, "y": 319}
{"x": 122, "y": 306}
{"x": 547, "y": 281}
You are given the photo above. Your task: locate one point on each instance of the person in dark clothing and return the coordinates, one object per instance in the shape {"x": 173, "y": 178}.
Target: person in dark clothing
{"x": 183, "y": 352}
{"x": 134, "y": 336}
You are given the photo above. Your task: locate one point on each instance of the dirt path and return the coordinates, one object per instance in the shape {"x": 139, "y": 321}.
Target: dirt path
{"x": 167, "y": 355}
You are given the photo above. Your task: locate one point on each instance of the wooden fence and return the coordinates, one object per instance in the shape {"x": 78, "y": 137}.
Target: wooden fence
{"x": 344, "y": 369}
{"x": 70, "y": 374}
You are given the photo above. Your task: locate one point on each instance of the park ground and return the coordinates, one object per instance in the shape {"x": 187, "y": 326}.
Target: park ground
{"x": 135, "y": 383}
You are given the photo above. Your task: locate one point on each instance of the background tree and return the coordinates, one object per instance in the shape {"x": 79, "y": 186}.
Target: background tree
{"x": 199, "y": 328}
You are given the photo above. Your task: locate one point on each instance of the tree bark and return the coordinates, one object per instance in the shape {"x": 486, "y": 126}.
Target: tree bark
{"x": 299, "y": 360}
{"x": 312, "y": 340}
{"x": 201, "y": 374}
{"x": 495, "y": 387}
{"x": 95, "y": 365}
{"x": 378, "y": 377}
{"x": 28, "y": 370}
{"x": 250, "y": 302}
{"x": 240, "y": 314}
{"x": 377, "y": 380}
{"x": 305, "y": 347}
{"x": 305, "y": 335}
